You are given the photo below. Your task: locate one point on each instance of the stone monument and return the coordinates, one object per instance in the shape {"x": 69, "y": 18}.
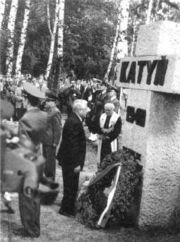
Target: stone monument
{"x": 152, "y": 126}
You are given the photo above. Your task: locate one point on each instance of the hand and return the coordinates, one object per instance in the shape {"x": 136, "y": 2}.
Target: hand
{"x": 105, "y": 137}
{"x": 77, "y": 169}
{"x": 104, "y": 130}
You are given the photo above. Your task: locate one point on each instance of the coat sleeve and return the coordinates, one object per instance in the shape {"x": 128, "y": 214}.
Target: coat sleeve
{"x": 57, "y": 129}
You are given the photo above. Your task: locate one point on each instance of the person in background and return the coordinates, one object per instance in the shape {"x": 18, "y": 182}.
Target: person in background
{"x": 1, "y": 85}
{"x": 19, "y": 110}
{"x": 112, "y": 97}
{"x": 110, "y": 128}
{"x": 53, "y": 132}
{"x": 71, "y": 155}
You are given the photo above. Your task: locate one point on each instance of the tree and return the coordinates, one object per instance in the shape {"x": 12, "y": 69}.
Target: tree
{"x": 2, "y": 10}
{"x": 113, "y": 48}
{"x": 57, "y": 70}
{"x": 149, "y": 11}
{"x": 60, "y": 38}
{"x": 23, "y": 38}
{"x": 88, "y": 37}
{"x": 11, "y": 28}
{"x": 60, "y": 29}
{"x": 53, "y": 36}
{"x": 122, "y": 46}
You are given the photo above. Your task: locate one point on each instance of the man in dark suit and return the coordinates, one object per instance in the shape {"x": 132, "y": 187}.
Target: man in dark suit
{"x": 71, "y": 155}
{"x": 53, "y": 132}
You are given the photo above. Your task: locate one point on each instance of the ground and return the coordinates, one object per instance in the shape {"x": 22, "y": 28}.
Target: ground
{"x": 55, "y": 227}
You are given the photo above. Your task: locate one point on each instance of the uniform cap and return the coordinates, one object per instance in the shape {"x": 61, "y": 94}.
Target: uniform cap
{"x": 32, "y": 90}
{"x": 50, "y": 95}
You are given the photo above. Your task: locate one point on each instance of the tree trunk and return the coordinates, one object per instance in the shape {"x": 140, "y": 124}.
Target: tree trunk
{"x": 23, "y": 38}
{"x": 106, "y": 77}
{"x": 122, "y": 45}
{"x": 120, "y": 42}
{"x": 60, "y": 29}
{"x": 11, "y": 29}
{"x": 149, "y": 11}
{"x": 53, "y": 37}
{"x": 49, "y": 18}
{"x": 133, "y": 44}
{"x": 59, "y": 61}
{"x": 2, "y": 10}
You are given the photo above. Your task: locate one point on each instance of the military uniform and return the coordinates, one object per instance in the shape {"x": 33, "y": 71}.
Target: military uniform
{"x": 33, "y": 125}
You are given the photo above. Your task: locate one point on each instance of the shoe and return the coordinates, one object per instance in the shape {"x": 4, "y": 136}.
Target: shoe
{"x": 65, "y": 213}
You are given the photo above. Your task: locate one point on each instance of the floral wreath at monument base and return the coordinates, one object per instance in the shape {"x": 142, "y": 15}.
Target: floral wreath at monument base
{"x": 103, "y": 203}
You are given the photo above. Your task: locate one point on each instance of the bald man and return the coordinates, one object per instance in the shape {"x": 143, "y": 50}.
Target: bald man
{"x": 71, "y": 155}
{"x": 110, "y": 128}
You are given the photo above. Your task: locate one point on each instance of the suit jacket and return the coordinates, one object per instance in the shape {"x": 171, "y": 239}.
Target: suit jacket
{"x": 54, "y": 127}
{"x": 73, "y": 145}
{"x": 33, "y": 125}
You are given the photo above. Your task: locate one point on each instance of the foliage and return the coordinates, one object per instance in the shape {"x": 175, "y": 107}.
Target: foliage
{"x": 89, "y": 30}
{"x": 88, "y": 36}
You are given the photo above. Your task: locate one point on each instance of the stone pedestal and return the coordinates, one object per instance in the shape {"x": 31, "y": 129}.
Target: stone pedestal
{"x": 158, "y": 39}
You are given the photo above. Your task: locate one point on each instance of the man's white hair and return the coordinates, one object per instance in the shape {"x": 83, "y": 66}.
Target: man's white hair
{"x": 79, "y": 103}
{"x": 109, "y": 106}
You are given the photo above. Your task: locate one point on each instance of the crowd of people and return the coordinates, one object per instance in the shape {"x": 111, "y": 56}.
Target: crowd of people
{"x": 38, "y": 113}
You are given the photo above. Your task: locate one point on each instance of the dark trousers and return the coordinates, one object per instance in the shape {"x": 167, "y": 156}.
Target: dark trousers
{"x": 70, "y": 185}
{"x": 49, "y": 153}
{"x": 30, "y": 214}
{"x": 105, "y": 149}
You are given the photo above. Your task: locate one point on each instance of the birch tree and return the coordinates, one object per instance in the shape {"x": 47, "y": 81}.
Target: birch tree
{"x": 53, "y": 37}
{"x": 11, "y": 29}
{"x": 149, "y": 11}
{"x": 22, "y": 38}
{"x": 58, "y": 65}
{"x": 134, "y": 37}
{"x": 113, "y": 48}
{"x": 2, "y": 10}
{"x": 120, "y": 43}
{"x": 60, "y": 36}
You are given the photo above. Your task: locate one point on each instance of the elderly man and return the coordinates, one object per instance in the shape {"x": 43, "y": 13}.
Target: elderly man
{"x": 71, "y": 155}
{"x": 110, "y": 128}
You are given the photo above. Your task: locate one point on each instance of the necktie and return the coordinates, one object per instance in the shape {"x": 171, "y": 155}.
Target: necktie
{"x": 106, "y": 124}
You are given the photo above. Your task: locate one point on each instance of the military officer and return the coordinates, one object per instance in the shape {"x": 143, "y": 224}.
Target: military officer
{"x": 33, "y": 125}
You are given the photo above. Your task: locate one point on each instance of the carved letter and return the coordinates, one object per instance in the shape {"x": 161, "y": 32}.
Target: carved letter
{"x": 150, "y": 69}
{"x": 132, "y": 73}
{"x": 123, "y": 71}
{"x": 141, "y": 67}
{"x": 161, "y": 72}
